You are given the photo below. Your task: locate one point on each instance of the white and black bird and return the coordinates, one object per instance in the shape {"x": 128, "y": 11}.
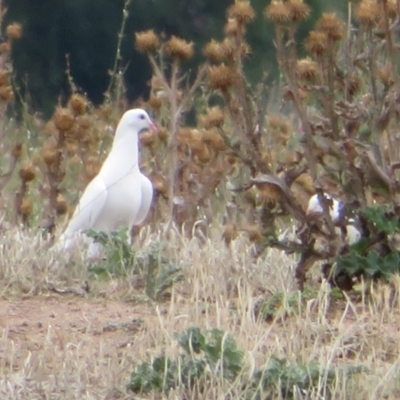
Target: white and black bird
{"x": 335, "y": 207}
{"x": 120, "y": 195}
{"x": 348, "y": 231}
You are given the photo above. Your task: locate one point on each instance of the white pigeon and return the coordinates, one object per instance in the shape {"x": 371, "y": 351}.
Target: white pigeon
{"x": 120, "y": 195}
{"x": 351, "y": 233}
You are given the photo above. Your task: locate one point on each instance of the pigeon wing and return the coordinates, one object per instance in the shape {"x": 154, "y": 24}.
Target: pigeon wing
{"x": 147, "y": 196}
{"x": 90, "y": 207}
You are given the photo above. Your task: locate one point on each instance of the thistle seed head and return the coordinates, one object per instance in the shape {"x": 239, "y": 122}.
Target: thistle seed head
{"x": 84, "y": 122}
{"x": 221, "y": 77}
{"x": 78, "y": 104}
{"x": 214, "y": 140}
{"x": 277, "y": 12}
{"x": 146, "y": 41}
{"x": 203, "y": 154}
{"x": 241, "y": 11}
{"x": 194, "y": 139}
{"x": 61, "y": 205}
{"x": 162, "y": 134}
{"x": 147, "y": 138}
{"x": 331, "y": 25}
{"x": 367, "y": 12}
{"x": 316, "y": 42}
{"x": 14, "y": 31}
{"x": 71, "y": 148}
{"x": 178, "y": 48}
{"x": 385, "y": 75}
{"x": 298, "y": 10}
{"x": 27, "y": 173}
{"x": 233, "y": 27}
{"x": 3, "y": 77}
{"x": 213, "y": 50}
{"x": 306, "y": 69}
{"x": 155, "y": 102}
{"x": 392, "y": 8}
{"x": 6, "y": 93}
{"x": 213, "y": 118}
{"x": 63, "y": 119}
{"x": 5, "y": 48}
{"x": 50, "y": 156}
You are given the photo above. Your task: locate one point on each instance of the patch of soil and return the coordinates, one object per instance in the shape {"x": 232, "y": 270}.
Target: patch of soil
{"x": 27, "y": 323}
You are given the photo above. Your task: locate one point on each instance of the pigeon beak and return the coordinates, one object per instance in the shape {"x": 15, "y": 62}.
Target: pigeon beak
{"x": 152, "y": 126}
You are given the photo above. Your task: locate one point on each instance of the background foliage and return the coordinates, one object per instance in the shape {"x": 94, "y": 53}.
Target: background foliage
{"x": 87, "y": 31}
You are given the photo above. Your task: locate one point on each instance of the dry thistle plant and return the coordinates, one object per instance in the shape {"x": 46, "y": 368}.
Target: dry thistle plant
{"x": 11, "y": 150}
{"x": 192, "y": 155}
{"x": 344, "y": 94}
{"x": 229, "y": 143}
{"x": 255, "y": 141}
{"x": 341, "y": 141}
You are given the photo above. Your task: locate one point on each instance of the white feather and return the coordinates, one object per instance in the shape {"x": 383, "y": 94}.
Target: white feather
{"x": 147, "y": 195}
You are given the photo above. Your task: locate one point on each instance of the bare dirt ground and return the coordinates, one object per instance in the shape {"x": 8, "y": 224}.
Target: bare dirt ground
{"x": 44, "y": 337}
{"x": 27, "y": 322}
{"x": 70, "y": 347}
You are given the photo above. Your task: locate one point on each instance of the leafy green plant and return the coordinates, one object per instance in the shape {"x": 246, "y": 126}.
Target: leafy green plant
{"x": 204, "y": 355}
{"x": 382, "y": 220}
{"x": 282, "y": 305}
{"x": 218, "y": 349}
{"x": 281, "y": 379}
{"x": 119, "y": 257}
{"x": 118, "y": 253}
{"x": 214, "y": 353}
{"x": 373, "y": 265}
{"x": 374, "y": 257}
{"x": 274, "y": 306}
{"x": 158, "y": 375}
{"x": 161, "y": 274}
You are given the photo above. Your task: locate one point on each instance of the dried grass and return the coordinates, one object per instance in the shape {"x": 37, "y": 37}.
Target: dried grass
{"x": 221, "y": 287}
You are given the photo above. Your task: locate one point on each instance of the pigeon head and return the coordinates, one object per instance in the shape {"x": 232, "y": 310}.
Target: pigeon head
{"x": 133, "y": 121}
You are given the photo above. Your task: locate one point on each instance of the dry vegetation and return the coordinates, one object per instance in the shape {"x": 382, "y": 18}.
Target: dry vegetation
{"x": 227, "y": 243}
{"x": 59, "y": 341}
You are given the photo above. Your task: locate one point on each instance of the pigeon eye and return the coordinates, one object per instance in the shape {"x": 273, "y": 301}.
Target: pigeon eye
{"x": 141, "y": 116}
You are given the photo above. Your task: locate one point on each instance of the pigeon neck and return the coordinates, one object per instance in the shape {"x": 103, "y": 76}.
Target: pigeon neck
{"x": 123, "y": 158}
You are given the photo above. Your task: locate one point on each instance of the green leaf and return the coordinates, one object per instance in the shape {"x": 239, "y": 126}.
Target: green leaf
{"x": 379, "y": 218}
{"x": 119, "y": 255}
{"x": 192, "y": 340}
{"x": 144, "y": 379}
